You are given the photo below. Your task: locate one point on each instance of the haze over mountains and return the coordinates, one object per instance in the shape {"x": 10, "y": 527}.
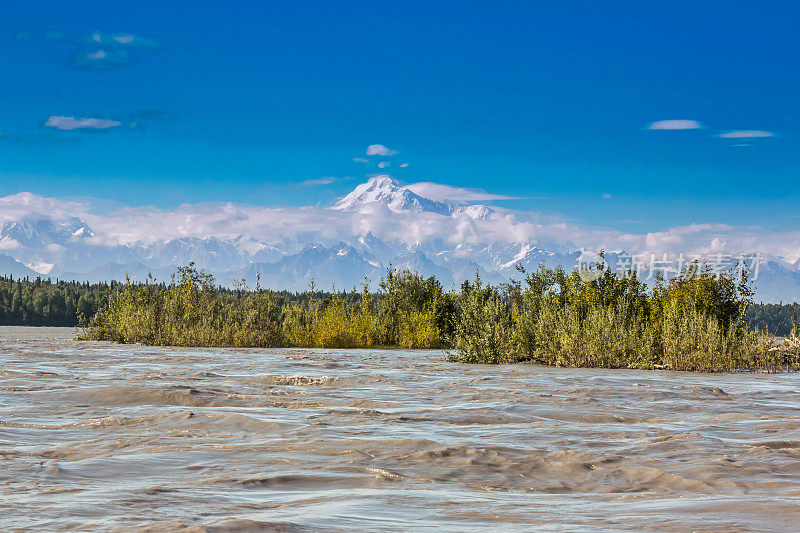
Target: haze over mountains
{"x": 433, "y": 229}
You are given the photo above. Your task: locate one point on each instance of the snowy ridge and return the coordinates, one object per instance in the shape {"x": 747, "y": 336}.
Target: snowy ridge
{"x": 385, "y": 190}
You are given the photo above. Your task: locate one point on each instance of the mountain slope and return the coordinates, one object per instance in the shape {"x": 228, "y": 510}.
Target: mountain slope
{"x": 10, "y": 266}
{"x": 39, "y": 232}
{"x": 340, "y": 267}
{"x": 385, "y": 190}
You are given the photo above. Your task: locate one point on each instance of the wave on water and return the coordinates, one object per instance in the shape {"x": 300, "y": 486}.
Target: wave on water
{"x": 290, "y": 440}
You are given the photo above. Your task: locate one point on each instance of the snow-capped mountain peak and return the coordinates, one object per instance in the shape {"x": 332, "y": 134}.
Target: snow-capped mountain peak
{"x": 383, "y": 189}
{"x": 475, "y": 212}
{"x": 38, "y": 232}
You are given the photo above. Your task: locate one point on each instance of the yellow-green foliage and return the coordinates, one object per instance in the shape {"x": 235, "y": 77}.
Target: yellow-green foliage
{"x": 331, "y": 324}
{"x": 418, "y": 330}
{"x": 298, "y": 323}
{"x": 413, "y": 311}
{"x": 485, "y": 330}
{"x": 191, "y": 311}
{"x": 363, "y": 322}
{"x": 694, "y": 322}
{"x": 342, "y": 327}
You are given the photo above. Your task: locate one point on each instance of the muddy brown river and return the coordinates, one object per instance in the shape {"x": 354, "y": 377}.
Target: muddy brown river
{"x": 107, "y": 437}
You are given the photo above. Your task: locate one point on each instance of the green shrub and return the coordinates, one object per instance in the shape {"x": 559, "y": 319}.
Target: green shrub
{"x": 694, "y": 322}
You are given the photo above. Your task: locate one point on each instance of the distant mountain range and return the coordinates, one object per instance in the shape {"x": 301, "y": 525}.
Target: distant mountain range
{"x": 375, "y": 224}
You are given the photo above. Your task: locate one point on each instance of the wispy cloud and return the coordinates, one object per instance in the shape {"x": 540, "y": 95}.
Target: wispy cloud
{"x": 98, "y": 50}
{"x": 321, "y": 181}
{"x": 403, "y": 165}
{"x": 442, "y": 193}
{"x": 676, "y": 124}
{"x": 136, "y": 120}
{"x": 360, "y": 160}
{"x": 9, "y": 244}
{"x": 379, "y": 149}
{"x": 607, "y": 196}
{"x": 72, "y": 123}
{"x": 99, "y": 59}
{"x": 121, "y": 40}
{"x": 745, "y": 134}
{"x": 383, "y": 164}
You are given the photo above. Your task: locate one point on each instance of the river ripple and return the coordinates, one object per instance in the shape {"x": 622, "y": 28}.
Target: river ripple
{"x": 132, "y": 437}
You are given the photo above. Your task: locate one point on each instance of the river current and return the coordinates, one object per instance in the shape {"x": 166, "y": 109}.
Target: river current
{"x": 111, "y": 437}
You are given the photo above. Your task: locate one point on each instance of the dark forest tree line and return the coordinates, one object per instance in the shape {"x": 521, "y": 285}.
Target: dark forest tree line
{"x": 42, "y": 302}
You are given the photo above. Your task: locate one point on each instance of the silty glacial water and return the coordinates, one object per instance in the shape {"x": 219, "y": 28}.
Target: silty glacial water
{"x": 131, "y": 437}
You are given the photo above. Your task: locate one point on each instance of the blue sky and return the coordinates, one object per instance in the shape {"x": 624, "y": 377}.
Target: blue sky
{"x": 546, "y": 102}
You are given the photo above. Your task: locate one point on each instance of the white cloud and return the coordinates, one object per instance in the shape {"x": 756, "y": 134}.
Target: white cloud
{"x": 680, "y": 124}
{"x": 379, "y": 149}
{"x": 442, "y": 193}
{"x": 146, "y": 225}
{"x": 126, "y": 40}
{"x": 746, "y": 134}
{"x": 24, "y": 204}
{"x": 321, "y": 181}
{"x": 72, "y": 123}
{"x": 403, "y": 165}
{"x": 607, "y": 195}
{"x": 9, "y": 244}
{"x": 360, "y": 160}
{"x": 100, "y": 59}
{"x": 383, "y": 164}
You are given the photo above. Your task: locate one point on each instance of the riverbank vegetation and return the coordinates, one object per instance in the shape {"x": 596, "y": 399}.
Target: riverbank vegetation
{"x": 42, "y": 302}
{"x": 408, "y": 311}
{"x": 696, "y": 321}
